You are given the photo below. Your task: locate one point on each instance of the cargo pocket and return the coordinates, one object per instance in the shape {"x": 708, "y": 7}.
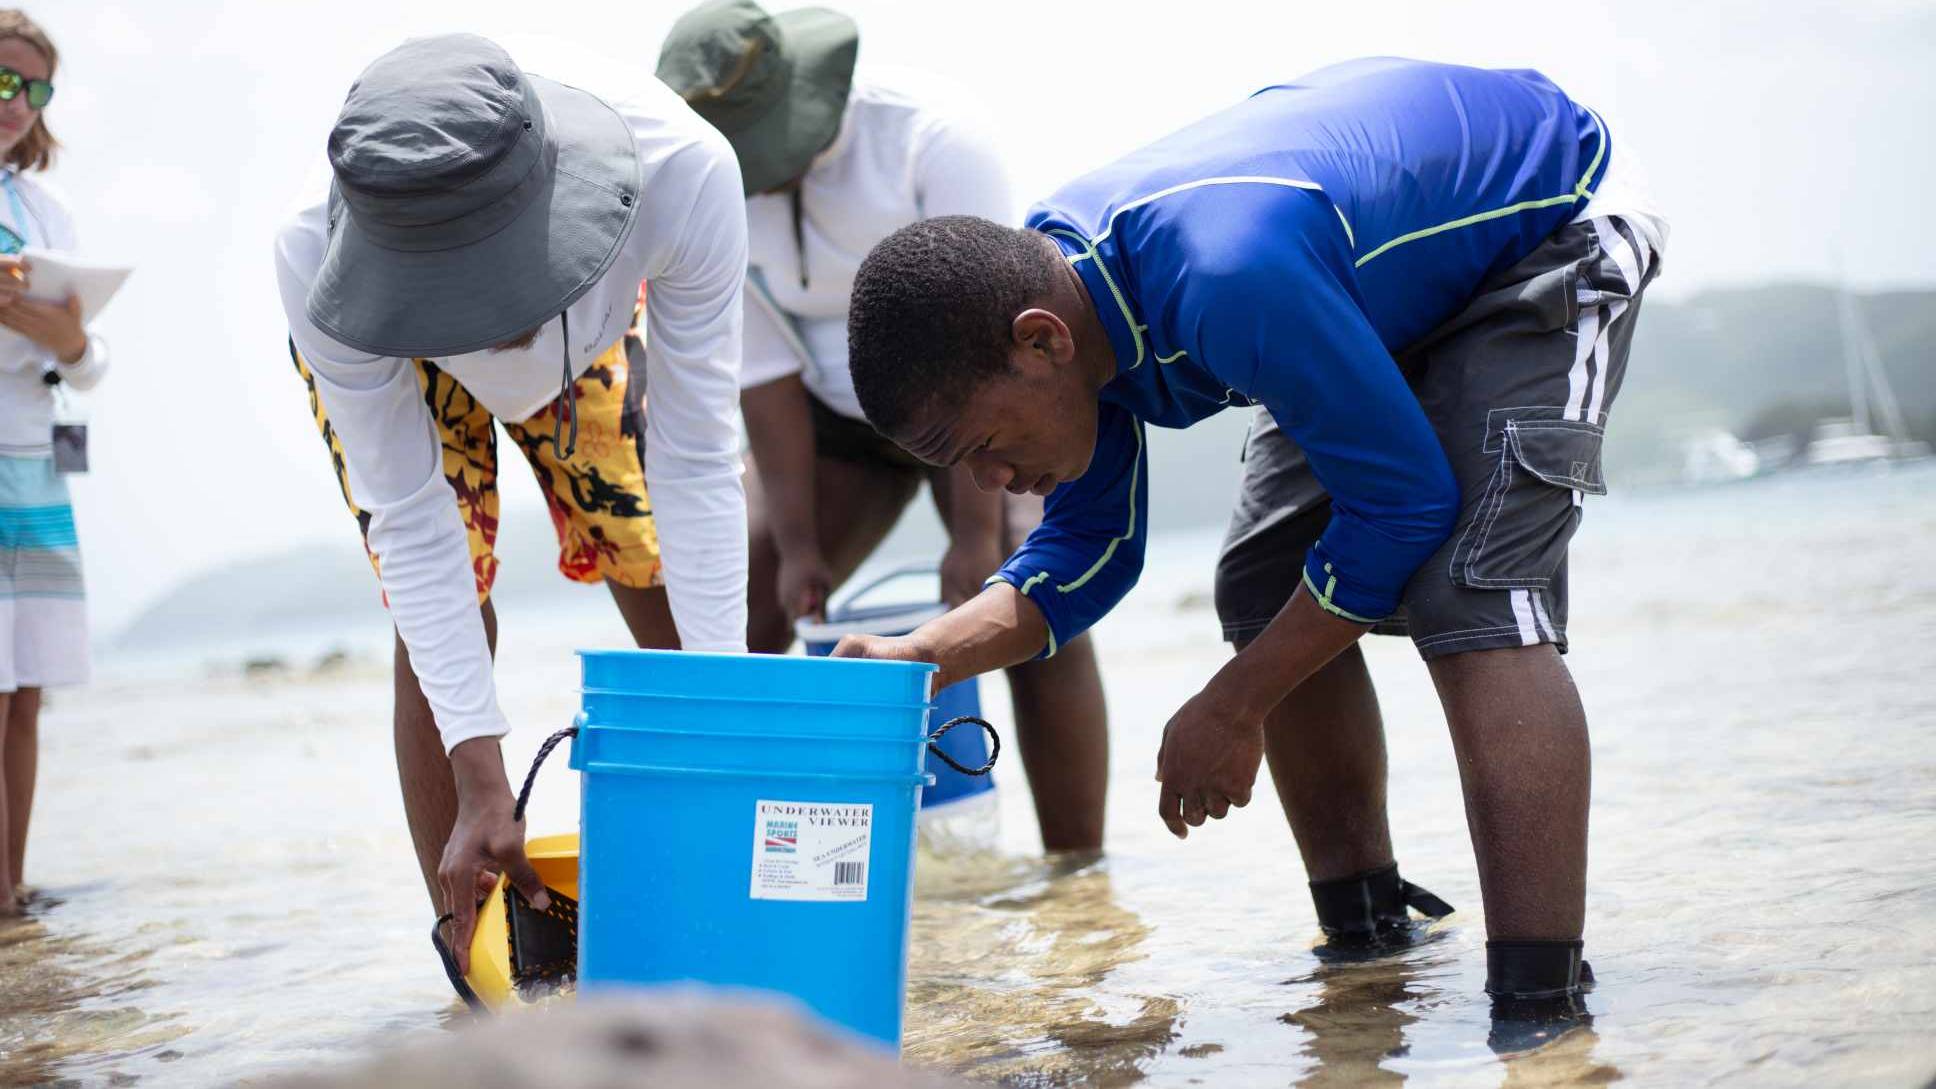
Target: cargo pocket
{"x": 1519, "y": 532}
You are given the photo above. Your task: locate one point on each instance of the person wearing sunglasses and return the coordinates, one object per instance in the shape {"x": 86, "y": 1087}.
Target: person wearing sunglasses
{"x": 475, "y": 260}
{"x": 43, "y": 346}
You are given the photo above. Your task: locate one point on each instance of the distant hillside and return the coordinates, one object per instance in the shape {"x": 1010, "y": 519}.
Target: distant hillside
{"x": 273, "y": 596}
{"x": 1760, "y": 362}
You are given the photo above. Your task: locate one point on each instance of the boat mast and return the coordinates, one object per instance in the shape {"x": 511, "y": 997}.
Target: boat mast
{"x": 1853, "y": 363}
{"x": 1865, "y": 373}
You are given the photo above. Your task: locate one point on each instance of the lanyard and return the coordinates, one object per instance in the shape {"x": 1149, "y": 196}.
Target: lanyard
{"x": 19, "y": 209}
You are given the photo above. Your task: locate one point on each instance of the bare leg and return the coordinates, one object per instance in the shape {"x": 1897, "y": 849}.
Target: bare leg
{"x": 1520, "y": 736}
{"x": 9, "y": 904}
{"x": 1061, "y": 716}
{"x": 648, "y": 614}
{"x": 22, "y": 760}
{"x": 855, "y": 506}
{"x": 429, "y": 791}
{"x": 1062, "y": 725}
{"x": 1326, "y": 747}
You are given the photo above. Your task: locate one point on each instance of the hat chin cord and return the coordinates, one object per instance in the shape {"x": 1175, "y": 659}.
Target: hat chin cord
{"x": 567, "y": 397}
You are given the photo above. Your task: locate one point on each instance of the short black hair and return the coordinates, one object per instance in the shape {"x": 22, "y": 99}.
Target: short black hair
{"x": 931, "y": 311}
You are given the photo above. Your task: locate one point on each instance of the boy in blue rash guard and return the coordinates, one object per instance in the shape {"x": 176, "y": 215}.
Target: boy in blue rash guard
{"x": 1425, "y": 277}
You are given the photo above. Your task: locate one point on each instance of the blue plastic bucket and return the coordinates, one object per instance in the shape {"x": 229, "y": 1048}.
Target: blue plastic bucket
{"x": 852, "y": 617}
{"x": 748, "y": 820}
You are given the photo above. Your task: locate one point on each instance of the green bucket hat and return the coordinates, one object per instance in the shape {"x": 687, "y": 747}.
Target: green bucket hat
{"x": 774, "y": 85}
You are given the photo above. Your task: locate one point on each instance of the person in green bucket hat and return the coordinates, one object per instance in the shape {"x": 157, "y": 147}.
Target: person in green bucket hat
{"x": 833, "y": 163}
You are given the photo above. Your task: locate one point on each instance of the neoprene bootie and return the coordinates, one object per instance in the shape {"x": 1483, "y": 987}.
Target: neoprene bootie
{"x": 1371, "y": 911}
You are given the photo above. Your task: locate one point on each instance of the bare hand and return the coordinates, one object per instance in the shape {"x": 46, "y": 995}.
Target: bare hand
{"x": 965, "y": 566}
{"x": 1208, "y": 761}
{"x": 804, "y": 583}
{"x": 892, "y": 648}
{"x": 54, "y": 326}
{"x": 484, "y": 840}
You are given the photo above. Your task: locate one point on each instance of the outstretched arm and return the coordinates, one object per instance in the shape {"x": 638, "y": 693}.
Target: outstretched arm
{"x": 996, "y": 629}
{"x": 1072, "y": 570}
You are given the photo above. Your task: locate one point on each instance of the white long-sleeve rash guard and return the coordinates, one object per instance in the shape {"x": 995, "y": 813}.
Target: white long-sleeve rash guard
{"x": 689, "y": 244}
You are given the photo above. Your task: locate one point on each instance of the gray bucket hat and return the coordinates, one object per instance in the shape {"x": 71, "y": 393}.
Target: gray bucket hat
{"x": 774, "y": 85}
{"x": 472, "y": 202}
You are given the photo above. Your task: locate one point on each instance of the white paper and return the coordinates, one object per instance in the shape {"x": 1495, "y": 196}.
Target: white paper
{"x": 54, "y": 276}
{"x": 811, "y": 850}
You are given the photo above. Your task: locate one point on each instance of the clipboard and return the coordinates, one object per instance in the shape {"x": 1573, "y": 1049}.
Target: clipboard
{"x": 54, "y": 276}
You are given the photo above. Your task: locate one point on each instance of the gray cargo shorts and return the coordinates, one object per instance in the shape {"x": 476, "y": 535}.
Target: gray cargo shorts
{"x": 1517, "y": 385}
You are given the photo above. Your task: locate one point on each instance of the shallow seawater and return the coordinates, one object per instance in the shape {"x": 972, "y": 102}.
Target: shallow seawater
{"x": 227, "y": 890}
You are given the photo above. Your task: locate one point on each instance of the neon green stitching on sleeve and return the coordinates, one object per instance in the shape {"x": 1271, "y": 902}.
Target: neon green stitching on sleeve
{"x": 1324, "y": 599}
{"x": 1134, "y": 475}
{"x": 1581, "y": 190}
{"x": 1350, "y": 239}
{"x": 1024, "y": 588}
{"x": 1032, "y": 582}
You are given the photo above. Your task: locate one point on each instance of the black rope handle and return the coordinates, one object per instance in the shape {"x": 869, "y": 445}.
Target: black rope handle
{"x": 994, "y": 745}
{"x": 457, "y": 980}
{"x": 531, "y": 777}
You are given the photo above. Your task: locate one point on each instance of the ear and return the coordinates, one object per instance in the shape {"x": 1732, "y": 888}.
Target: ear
{"x": 1042, "y": 340}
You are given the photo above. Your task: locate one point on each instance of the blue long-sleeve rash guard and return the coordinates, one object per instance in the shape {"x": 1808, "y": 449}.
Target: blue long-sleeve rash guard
{"x": 1279, "y": 253}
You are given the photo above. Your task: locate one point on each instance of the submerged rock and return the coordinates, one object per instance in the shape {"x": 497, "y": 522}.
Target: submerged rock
{"x": 671, "y": 1039}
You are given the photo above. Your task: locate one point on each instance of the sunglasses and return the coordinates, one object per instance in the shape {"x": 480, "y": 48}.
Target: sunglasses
{"x": 39, "y": 91}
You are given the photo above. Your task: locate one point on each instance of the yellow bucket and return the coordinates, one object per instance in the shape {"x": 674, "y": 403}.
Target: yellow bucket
{"x": 501, "y": 973}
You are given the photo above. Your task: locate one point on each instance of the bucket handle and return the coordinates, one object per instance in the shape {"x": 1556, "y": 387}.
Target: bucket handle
{"x": 994, "y": 745}
{"x": 531, "y": 777}
{"x": 457, "y": 980}
{"x": 913, "y": 570}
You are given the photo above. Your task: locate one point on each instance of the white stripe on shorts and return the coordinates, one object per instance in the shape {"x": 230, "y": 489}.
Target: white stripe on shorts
{"x": 1597, "y": 398}
{"x": 1577, "y": 383}
{"x": 1522, "y": 607}
{"x": 1539, "y": 610}
{"x": 1617, "y": 247}
{"x": 1586, "y": 394}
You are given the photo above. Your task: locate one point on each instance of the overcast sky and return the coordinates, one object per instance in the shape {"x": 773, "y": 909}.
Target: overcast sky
{"x": 1783, "y": 139}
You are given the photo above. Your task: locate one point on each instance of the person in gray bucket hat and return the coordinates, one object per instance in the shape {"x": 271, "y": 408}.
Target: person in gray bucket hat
{"x": 497, "y": 247}
{"x": 834, "y": 162}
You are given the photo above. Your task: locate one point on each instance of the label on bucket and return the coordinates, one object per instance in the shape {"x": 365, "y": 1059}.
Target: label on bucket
{"x": 811, "y": 850}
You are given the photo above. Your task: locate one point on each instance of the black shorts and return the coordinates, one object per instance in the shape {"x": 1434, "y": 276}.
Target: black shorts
{"x": 1517, "y": 386}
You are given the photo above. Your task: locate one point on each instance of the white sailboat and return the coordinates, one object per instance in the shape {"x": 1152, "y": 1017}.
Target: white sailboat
{"x": 1716, "y": 457}
{"x": 1853, "y": 439}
